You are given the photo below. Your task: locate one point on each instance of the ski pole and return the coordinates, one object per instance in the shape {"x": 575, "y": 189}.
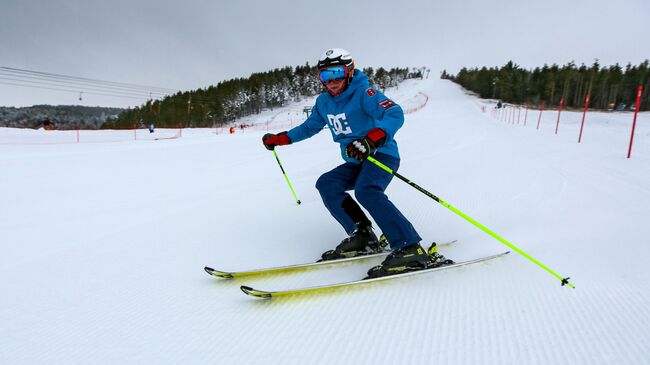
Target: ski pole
{"x": 471, "y": 220}
{"x": 285, "y": 177}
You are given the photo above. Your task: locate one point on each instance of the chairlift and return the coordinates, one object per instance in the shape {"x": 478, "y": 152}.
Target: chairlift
{"x": 81, "y": 95}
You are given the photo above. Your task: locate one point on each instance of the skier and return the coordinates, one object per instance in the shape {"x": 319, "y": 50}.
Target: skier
{"x": 364, "y": 122}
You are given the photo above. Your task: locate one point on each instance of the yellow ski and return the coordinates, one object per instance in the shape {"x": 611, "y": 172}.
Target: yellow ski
{"x": 283, "y": 269}
{"x": 314, "y": 289}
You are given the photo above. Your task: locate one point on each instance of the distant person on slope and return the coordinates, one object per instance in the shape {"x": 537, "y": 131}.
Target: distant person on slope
{"x": 364, "y": 122}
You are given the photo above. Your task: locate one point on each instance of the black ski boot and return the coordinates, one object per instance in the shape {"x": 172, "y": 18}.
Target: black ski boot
{"x": 409, "y": 258}
{"x": 361, "y": 242}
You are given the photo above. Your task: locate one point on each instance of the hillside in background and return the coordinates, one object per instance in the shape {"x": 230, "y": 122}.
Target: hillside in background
{"x": 215, "y": 105}
{"x": 229, "y": 100}
{"x": 63, "y": 116}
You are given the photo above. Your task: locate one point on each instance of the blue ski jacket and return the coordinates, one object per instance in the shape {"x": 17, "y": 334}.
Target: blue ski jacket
{"x": 351, "y": 114}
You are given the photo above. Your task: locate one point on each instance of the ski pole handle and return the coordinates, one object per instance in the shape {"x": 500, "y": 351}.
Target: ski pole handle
{"x": 565, "y": 281}
{"x": 286, "y": 177}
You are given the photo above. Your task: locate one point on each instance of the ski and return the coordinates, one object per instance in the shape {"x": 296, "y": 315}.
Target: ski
{"x": 273, "y": 294}
{"x": 288, "y": 268}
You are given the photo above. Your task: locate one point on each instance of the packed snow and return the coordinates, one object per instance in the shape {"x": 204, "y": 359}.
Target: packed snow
{"x": 104, "y": 242}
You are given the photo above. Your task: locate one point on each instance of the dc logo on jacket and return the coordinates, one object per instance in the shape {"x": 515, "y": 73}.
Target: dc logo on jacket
{"x": 339, "y": 124}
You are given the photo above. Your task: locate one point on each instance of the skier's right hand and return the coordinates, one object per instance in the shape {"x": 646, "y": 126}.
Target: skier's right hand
{"x": 271, "y": 140}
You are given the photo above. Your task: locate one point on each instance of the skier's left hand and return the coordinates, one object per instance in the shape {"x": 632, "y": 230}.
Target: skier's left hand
{"x": 361, "y": 148}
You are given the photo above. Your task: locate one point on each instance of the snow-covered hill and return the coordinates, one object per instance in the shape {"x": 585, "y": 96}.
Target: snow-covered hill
{"x": 103, "y": 245}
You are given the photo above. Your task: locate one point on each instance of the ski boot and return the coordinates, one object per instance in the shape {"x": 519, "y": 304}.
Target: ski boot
{"x": 409, "y": 258}
{"x": 361, "y": 242}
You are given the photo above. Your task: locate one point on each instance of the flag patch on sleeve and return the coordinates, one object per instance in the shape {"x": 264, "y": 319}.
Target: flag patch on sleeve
{"x": 371, "y": 92}
{"x": 386, "y": 104}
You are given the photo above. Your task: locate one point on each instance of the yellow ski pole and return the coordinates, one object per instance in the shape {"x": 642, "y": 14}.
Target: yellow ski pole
{"x": 285, "y": 177}
{"x": 471, "y": 220}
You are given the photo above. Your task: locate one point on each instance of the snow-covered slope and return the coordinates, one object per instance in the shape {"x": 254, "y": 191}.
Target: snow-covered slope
{"x": 103, "y": 245}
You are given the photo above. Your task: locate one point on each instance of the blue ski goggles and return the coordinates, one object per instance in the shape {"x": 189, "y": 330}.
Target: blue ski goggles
{"x": 332, "y": 73}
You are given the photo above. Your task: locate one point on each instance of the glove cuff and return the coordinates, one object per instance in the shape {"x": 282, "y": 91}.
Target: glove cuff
{"x": 377, "y": 137}
{"x": 282, "y": 139}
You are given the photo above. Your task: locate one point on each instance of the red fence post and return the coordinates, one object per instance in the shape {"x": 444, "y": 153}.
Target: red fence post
{"x": 559, "y": 111}
{"x": 135, "y": 138}
{"x": 77, "y": 133}
{"x": 636, "y": 111}
{"x": 518, "y": 113}
{"x": 526, "y": 115}
{"x": 584, "y": 113}
{"x": 541, "y": 109}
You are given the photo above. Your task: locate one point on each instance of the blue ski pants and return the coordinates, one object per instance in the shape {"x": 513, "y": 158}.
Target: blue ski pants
{"x": 369, "y": 183}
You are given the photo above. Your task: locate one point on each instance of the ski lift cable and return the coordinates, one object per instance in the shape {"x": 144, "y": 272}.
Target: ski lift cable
{"x": 67, "y": 77}
{"x": 54, "y": 75}
{"x": 77, "y": 83}
{"x": 79, "y": 88}
{"x": 31, "y": 74}
{"x": 144, "y": 100}
{"x": 73, "y": 91}
{"x": 50, "y": 80}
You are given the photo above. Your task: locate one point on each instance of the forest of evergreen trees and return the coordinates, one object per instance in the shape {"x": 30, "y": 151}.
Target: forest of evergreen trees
{"x": 610, "y": 87}
{"x": 232, "y": 99}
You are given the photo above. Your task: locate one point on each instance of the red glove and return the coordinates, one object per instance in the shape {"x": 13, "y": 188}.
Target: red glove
{"x": 361, "y": 148}
{"x": 271, "y": 140}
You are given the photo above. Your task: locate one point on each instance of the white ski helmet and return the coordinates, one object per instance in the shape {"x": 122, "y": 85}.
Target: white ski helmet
{"x": 336, "y": 56}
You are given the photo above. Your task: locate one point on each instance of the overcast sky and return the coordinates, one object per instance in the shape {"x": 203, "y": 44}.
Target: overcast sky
{"x": 192, "y": 44}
